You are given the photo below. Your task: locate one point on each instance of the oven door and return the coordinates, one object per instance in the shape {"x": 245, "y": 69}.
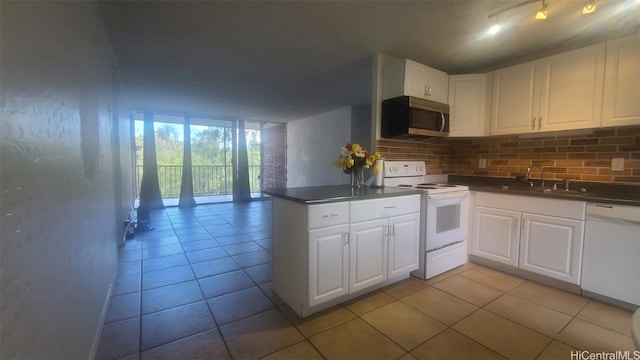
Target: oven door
{"x": 447, "y": 216}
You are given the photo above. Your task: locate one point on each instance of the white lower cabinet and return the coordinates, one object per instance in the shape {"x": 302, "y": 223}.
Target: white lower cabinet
{"x": 540, "y": 235}
{"x": 403, "y": 244}
{"x": 368, "y": 254}
{"x": 321, "y": 256}
{"x": 552, "y": 246}
{"x": 497, "y": 234}
{"x": 328, "y": 263}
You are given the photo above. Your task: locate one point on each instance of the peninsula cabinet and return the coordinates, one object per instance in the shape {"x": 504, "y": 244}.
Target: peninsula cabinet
{"x": 622, "y": 82}
{"x": 544, "y": 236}
{"x": 407, "y": 77}
{"x": 560, "y": 92}
{"x": 324, "y": 254}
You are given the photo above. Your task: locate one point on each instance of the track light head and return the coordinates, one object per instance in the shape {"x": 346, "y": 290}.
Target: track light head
{"x": 589, "y": 7}
{"x": 543, "y": 12}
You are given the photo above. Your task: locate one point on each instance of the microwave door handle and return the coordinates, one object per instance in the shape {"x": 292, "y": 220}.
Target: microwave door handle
{"x": 443, "y": 121}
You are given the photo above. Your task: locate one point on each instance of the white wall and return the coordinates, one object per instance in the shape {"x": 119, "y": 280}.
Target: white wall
{"x": 61, "y": 206}
{"x": 313, "y": 144}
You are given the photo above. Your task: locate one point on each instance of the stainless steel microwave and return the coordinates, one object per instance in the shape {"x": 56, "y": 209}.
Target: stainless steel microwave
{"x": 408, "y": 117}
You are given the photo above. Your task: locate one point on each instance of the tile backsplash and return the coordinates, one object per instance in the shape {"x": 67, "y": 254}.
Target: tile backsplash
{"x": 578, "y": 155}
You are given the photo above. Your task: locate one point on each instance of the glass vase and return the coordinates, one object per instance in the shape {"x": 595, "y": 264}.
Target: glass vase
{"x": 357, "y": 177}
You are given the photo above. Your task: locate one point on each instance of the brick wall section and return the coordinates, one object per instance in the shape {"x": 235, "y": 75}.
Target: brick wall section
{"x": 274, "y": 156}
{"x": 573, "y": 155}
{"x": 434, "y": 152}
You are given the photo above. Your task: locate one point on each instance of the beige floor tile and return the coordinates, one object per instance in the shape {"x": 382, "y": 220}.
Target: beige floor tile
{"x": 319, "y": 322}
{"x": 407, "y": 356}
{"x": 471, "y": 291}
{"x": 450, "y": 344}
{"x": 355, "y": 339}
{"x": 206, "y": 345}
{"x": 405, "y": 325}
{"x": 531, "y": 315}
{"x": 405, "y": 287}
{"x": 495, "y": 279}
{"x": 260, "y": 335}
{"x": 557, "y": 350}
{"x": 268, "y": 290}
{"x": 450, "y": 273}
{"x": 607, "y": 316}
{"x": 552, "y": 298}
{"x": 440, "y": 305}
{"x": 301, "y": 350}
{"x": 505, "y": 337}
{"x": 369, "y": 302}
{"x": 587, "y": 336}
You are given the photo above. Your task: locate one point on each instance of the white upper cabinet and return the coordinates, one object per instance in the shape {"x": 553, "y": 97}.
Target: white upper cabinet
{"x": 561, "y": 92}
{"x": 516, "y": 92}
{"x": 407, "y": 77}
{"x": 469, "y": 106}
{"x": 621, "y": 104}
{"x": 571, "y": 93}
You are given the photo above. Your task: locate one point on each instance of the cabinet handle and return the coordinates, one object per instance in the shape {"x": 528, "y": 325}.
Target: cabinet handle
{"x": 346, "y": 238}
{"x": 331, "y": 215}
{"x": 427, "y": 90}
{"x": 540, "y": 123}
{"x": 392, "y": 229}
{"x": 389, "y": 207}
{"x": 533, "y": 124}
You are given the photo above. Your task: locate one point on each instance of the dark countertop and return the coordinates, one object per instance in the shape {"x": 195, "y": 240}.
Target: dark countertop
{"x": 622, "y": 194}
{"x": 336, "y": 193}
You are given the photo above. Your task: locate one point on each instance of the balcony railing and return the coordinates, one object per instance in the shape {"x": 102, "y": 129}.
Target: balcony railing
{"x": 208, "y": 180}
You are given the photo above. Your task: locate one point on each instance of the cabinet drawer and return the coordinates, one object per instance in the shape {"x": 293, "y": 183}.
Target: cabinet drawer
{"x": 328, "y": 215}
{"x": 382, "y": 208}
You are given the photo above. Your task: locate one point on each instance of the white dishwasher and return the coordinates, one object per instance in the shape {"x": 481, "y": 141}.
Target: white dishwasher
{"x": 611, "y": 258}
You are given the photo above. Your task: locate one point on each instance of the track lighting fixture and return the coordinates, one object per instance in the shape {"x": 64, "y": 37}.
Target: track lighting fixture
{"x": 543, "y": 12}
{"x": 589, "y": 7}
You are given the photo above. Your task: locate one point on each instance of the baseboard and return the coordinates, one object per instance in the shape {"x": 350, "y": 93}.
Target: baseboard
{"x": 103, "y": 317}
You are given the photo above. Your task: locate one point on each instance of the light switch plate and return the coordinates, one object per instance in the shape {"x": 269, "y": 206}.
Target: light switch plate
{"x": 482, "y": 164}
{"x": 617, "y": 164}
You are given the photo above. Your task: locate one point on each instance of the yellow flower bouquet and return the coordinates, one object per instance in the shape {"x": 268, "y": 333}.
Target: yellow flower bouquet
{"x": 355, "y": 157}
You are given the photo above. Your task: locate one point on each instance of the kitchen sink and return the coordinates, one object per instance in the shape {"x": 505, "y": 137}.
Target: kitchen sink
{"x": 529, "y": 189}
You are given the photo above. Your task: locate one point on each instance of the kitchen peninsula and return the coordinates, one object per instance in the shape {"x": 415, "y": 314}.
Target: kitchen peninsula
{"x": 334, "y": 243}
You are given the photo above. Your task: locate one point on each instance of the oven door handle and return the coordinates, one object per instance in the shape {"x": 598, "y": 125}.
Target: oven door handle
{"x": 450, "y": 195}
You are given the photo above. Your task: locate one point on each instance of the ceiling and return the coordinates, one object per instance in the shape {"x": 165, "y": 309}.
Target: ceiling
{"x": 280, "y": 61}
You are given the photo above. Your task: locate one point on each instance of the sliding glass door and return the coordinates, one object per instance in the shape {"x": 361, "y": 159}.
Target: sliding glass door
{"x": 211, "y": 155}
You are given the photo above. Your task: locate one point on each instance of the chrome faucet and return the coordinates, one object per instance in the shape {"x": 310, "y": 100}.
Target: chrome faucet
{"x": 527, "y": 178}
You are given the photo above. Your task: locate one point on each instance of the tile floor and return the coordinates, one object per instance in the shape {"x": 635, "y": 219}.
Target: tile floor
{"x": 198, "y": 287}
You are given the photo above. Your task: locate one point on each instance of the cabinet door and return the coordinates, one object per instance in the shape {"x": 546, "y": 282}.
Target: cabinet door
{"x": 404, "y": 236}
{"x": 552, "y": 246}
{"x": 436, "y": 85}
{"x": 468, "y": 105}
{"x": 328, "y": 263}
{"x": 622, "y": 82}
{"x": 515, "y": 100}
{"x": 415, "y": 78}
{"x": 496, "y": 234}
{"x": 571, "y": 90}
{"x": 367, "y": 254}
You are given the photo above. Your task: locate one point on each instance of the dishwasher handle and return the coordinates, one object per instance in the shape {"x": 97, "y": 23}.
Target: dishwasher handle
{"x": 613, "y": 213}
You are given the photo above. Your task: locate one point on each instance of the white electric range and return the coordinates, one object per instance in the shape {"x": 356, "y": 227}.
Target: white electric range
{"x": 444, "y": 216}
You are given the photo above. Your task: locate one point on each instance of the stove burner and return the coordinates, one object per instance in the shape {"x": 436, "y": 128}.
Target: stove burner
{"x": 426, "y": 187}
{"x": 405, "y": 185}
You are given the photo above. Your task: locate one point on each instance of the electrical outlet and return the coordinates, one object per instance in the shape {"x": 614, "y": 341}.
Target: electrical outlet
{"x": 617, "y": 164}
{"x": 482, "y": 164}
